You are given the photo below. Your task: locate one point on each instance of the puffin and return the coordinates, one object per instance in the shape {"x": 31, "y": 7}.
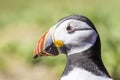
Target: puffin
{"x": 77, "y": 38}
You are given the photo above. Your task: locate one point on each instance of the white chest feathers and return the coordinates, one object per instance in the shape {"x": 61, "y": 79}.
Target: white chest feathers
{"x": 81, "y": 74}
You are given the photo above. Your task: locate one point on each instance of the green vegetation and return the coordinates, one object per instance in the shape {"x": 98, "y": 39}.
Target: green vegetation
{"x": 23, "y": 21}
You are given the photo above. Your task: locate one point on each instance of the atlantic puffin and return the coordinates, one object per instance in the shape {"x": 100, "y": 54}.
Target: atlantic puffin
{"x": 77, "y": 38}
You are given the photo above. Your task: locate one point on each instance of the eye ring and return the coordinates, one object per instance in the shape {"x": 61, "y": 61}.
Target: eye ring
{"x": 70, "y": 29}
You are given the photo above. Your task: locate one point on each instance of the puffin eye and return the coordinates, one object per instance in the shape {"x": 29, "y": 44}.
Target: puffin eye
{"x": 70, "y": 29}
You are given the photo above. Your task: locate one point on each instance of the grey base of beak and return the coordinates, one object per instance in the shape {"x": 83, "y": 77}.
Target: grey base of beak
{"x": 52, "y": 49}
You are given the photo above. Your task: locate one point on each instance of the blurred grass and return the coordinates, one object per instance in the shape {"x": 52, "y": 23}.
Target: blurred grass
{"x": 23, "y": 21}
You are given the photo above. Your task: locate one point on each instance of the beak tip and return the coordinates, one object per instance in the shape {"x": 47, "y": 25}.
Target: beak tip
{"x": 35, "y": 56}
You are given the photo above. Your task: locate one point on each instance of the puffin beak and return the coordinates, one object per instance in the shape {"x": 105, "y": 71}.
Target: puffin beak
{"x": 45, "y": 46}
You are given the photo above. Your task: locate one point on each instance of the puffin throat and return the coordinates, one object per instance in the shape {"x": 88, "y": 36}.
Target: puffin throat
{"x": 89, "y": 60}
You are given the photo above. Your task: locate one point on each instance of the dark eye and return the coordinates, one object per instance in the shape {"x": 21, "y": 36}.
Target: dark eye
{"x": 69, "y": 29}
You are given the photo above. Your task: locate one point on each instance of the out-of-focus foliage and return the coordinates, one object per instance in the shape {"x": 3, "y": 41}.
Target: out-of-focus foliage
{"x": 23, "y": 21}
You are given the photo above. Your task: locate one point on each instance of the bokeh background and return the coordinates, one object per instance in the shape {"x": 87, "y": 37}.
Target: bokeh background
{"x": 22, "y": 22}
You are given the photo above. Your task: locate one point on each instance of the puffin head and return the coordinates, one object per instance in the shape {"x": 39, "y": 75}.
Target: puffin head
{"x": 70, "y": 35}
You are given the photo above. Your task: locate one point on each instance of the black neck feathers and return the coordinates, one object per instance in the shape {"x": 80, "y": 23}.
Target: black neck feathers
{"x": 89, "y": 60}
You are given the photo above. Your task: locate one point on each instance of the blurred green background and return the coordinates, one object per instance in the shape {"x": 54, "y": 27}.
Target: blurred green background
{"x": 22, "y": 22}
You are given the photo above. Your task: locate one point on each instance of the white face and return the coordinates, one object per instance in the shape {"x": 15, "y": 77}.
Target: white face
{"x": 76, "y": 35}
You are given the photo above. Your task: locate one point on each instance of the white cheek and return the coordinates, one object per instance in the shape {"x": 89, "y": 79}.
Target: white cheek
{"x": 77, "y": 41}
{"x": 81, "y": 41}
{"x": 60, "y": 32}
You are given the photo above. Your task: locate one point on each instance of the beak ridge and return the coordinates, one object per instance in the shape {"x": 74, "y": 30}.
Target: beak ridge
{"x": 38, "y": 50}
{"x": 45, "y": 46}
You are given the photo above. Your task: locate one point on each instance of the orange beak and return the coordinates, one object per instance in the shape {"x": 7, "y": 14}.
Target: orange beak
{"x": 39, "y": 47}
{"x": 45, "y": 46}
